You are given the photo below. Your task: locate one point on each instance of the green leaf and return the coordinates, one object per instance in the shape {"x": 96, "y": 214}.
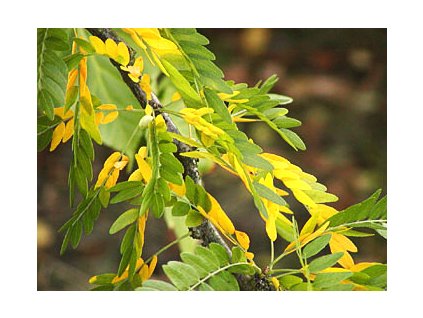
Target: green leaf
{"x": 316, "y": 245}
{"x": 256, "y": 161}
{"x": 224, "y": 281}
{"x": 44, "y": 139}
{"x": 281, "y": 99}
{"x": 171, "y": 162}
{"x": 171, "y": 176}
{"x": 128, "y": 238}
{"x": 294, "y": 138}
{"x": 218, "y": 105}
{"x": 268, "y": 84}
{"x": 163, "y": 189}
{"x": 324, "y": 262}
{"x": 268, "y": 194}
{"x": 126, "y": 218}
{"x": 320, "y": 196}
{"x": 70, "y": 98}
{"x": 220, "y": 252}
{"x": 156, "y": 285}
{"x": 181, "y": 275}
{"x": 238, "y": 256}
{"x": 104, "y": 279}
{"x": 125, "y": 185}
{"x": 180, "y": 209}
{"x": 104, "y": 197}
{"x": 84, "y": 45}
{"x": 126, "y": 194}
{"x": 182, "y": 85}
{"x": 286, "y": 122}
{"x": 166, "y": 147}
{"x": 190, "y": 189}
{"x": 193, "y": 219}
{"x": 73, "y": 60}
{"x": 289, "y": 281}
{"x": 327, "y": 280}
{"x": 157, "y": 205}
{"x": 356, "y": 212}
{"x": 45, "y": 103}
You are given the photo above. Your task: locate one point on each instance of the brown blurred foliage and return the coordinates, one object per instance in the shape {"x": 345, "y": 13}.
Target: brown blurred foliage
{"x": 337, "y": 78}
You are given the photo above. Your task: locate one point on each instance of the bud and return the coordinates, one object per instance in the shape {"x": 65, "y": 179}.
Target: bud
{"x": 144, "y": 121}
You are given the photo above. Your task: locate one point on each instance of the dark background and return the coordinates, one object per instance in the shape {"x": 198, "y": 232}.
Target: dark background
{"x": 337, "y": 78}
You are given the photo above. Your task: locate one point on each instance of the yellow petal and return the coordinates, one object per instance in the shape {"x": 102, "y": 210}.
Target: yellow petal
{"x": 222, "y": 219}
{"x": 275, "y": 282}
{"x": 136, "y": 176}
{"x": 110, "y": 161}
{"x": 178, "y": 189}
{"x": 271, "y": 227}
{"x": 144, "y": 272}
{"x": 145, "y": 85}
{"x": 148, "y": 33}
{"x": 58, "y": 133}
{"x": 99, "y": 118}
{"x": 152, "y": 266}
{"x": 346, "y": 261}
{"x": 296, "y": 184}
{"x": 141, "y": 229}
{"x": 144, "y": 167}
{"x": 111, "y": 181}
{"x": 361, "y": 266}
{"x": 123, "y": 53}
{"x": 110, "y": 117}
{"x": 120, "y": 165}
{"x": 111, "y": 49}
{"x": 98, "y": 45}
{"x": 68, "y": 130}
{"x": 242, "y": 239}
{"x": 303, "y": 198}
{"x": 340, "y": 242}
{"x": 72, "y": 78}
{"x": 59, "y": 111}
{"x": 238, "y": 119}
{"x": 148, "y": 110}
{"x": 309, "y": 225}
{"x": 249, "y": 255}
{"x": 176, "y": 96}
{"x": 92, "y": 280}
{"x": 107, "y": 107}
{"x": 160, "y": 123}
{"x": 129, "y": 107}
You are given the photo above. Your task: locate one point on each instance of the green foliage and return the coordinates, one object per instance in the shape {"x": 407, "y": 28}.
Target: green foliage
{"x": 81, "y": 171}
{"x": 370, "y": 213}
{"x": 51, "y": 69}
{"x": 164, "y": 180}
{"x": 205, "y": 269}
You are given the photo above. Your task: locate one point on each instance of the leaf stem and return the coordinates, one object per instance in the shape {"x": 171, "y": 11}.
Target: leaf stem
{"x": 164, "y": 248}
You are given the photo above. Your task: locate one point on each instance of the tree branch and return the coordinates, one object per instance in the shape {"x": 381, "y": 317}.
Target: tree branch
{"x": 206, "y": 232}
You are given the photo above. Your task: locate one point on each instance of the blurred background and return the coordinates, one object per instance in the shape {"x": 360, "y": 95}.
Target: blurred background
{"x": 337, "y": 78}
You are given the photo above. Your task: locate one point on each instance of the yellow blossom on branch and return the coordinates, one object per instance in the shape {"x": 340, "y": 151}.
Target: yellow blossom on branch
{"x": 110, "y": 171}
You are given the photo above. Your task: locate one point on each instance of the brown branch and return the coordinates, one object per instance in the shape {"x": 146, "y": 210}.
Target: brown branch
{"x": 206, "y": 232}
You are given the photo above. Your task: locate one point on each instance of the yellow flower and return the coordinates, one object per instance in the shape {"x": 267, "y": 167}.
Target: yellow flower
{"x": 242, "y": 239}
{"x": 145, "y": 85}
{"x": 117, "y": 52}
{"x": 209, "y": 132}
{"x": 135, "y": 71}
{"x": 341, "y": 243}
{"x": 144, "y": 271}
{"x": 144, "y": 172}
{"x": 218, "y": 217}
{"x": 110, "y": 171}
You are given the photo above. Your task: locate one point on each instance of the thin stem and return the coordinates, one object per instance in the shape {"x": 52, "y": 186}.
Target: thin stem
{"x": 164, "y": 248}
{"x": 272, "y": 254}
